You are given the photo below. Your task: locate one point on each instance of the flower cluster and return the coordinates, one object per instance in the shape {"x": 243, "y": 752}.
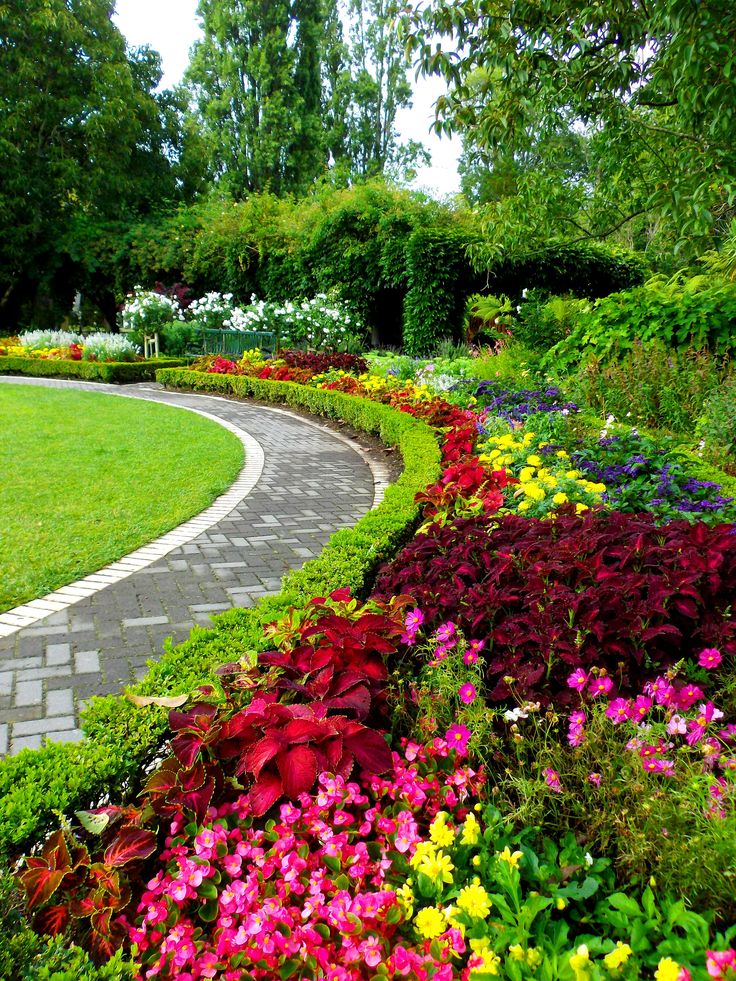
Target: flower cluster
{"x": 59, "y": 344}
{"x": 515, "y": 406}
{"x": 147, "y": 311}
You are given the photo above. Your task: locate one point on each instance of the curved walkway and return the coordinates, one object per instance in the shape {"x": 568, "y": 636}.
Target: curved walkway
{"x": 312, "y": 482}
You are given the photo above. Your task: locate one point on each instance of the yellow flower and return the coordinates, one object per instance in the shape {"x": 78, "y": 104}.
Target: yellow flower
{"x": 523, "y": 506}
{"x": 560, "y": 903}
{"x": 491, "y": 960}
{"x": 476, "y": 860}
{"x": 533, "y": 958}
{"x": 618, "y": 956}
{"x": 562, "y": 454}
{"x": 581, "y": 508}
{"x": 438, "y": 867}
{"x": 424, "y": 849}
{"x": 517, "y": 952}
{"x": 667, "y": 970}
{"x": 474, "y": 901}
{"x": 405, "y": 896}
{"x": 526, "y": 473}
{"x": 440, "y": 834}
{"x": 573, "y": 474}
{"x": 579, "y": 962}
{"x": 534, "y": 460}
{"x": 430, "y": 922}
{"x": 533, "y": 490}
{"x": 470, "y": 832}
{"x": 512, "y": 859}
{"x": 559, "y": 498}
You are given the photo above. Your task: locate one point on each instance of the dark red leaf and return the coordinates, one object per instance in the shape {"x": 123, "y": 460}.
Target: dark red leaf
{"x": 298, "y": 769}
{"x": 130, "y": 845}
{"x": 53, "y": 920}
{"x": 265, "y": 792}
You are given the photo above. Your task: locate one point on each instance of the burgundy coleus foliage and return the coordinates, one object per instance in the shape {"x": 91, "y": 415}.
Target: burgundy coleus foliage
{"x": 317, "y": 364}
{"x": 463, "y": 481}
{"x": 604, "y": 588}
{"x": 65, "y": 887}
{"x": 459, "y": 425}
{"x": 301, "y": 711}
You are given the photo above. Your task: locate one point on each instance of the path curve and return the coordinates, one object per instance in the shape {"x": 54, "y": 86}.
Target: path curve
{"x": 312, "y": 482}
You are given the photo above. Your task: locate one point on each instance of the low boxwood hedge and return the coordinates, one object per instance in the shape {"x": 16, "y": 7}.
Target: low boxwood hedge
{"x": 112, "y": 372}
{"x": 121, "y": 739}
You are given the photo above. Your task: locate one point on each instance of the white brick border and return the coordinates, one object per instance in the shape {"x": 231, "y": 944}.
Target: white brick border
{"x": 30, "y": 613}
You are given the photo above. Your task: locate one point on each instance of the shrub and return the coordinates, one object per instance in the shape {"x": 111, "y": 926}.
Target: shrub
{"x": 652, "y": 385}
{"x": 549, "y": 596}
{"x": 110, "y": 372}
{"x": 147, "y": 311}
{"x": 716, "y": 425}
{"x": 543, "y": 321}
{"x": 696, "y": 312}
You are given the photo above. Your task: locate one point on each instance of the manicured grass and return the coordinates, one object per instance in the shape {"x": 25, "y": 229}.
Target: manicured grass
{"x": 87, "y": 478}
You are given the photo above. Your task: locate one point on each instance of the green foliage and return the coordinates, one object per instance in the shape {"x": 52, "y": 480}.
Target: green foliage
{"x": 717, "y": 423}
{"x": 544, "y": 321}
{"x": 122, "y": 740}
{"x": 112, "y": 372}
{"x": 660, "y": 118}
{"x": 653, "y": 385}
{"x": 697, "y": 312}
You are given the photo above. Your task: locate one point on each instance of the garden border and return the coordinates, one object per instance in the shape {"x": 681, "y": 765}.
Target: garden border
{"x": 122, "y": 741}
{"x": 110, "y": 372}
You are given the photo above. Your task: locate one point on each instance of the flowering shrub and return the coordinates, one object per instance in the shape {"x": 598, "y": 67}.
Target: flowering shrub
{"x": 60, "y": 344}
{"x": 600, "y": 588}
{"x": 322, "y": 322}
{"x": 147, "y": 311}
{"x": 214, "y": 311}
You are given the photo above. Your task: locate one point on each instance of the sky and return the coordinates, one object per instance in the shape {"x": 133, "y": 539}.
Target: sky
{"x": 171, "y": 27}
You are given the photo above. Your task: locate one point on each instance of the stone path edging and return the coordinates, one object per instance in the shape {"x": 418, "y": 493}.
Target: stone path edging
{"x": 313, "y": 482}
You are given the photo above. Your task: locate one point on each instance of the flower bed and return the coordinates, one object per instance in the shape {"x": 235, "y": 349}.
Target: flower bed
{"x": 572, "y": 671}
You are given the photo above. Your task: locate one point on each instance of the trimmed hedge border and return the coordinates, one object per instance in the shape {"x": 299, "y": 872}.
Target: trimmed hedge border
{"x": 121, "y": 740}
{"x": 112, "y": 372}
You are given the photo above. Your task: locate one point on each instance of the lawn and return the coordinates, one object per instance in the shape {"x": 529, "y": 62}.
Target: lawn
{"x": 90, "y": 477}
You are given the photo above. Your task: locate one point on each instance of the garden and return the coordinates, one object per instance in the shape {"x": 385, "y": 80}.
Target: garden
{"x": 490, "y": 732}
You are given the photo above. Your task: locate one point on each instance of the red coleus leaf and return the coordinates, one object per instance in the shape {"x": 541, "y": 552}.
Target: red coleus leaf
{"x": 369, "y": 748}
{"x": 186, "y": 746}
{"x": 40, "y": 882}
{"x": 298, "y": 769}
{"x": 105, "y": 937}
{"x": 130, "y": 845}
{"x": 260, "y": 754}
{"x": 53, "y": 920}
{"x": 265, "y": 792}
{"x": 199, "y": 717}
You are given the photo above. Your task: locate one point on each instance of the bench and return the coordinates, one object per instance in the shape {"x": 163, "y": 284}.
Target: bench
{"x": 234, "y": 343}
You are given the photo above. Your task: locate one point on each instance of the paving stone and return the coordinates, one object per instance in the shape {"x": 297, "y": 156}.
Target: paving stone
{"x": 25, "y": 742}
{"x": 85, "y": 662}
{"x": 60, "y": 702}
{"x": 28, "y": 693}
{"x": 42, "y": 726}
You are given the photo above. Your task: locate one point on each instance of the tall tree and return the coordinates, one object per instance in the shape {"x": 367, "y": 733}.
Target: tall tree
{"x": 652, "y": 81}
{"x": 83, "y": 137}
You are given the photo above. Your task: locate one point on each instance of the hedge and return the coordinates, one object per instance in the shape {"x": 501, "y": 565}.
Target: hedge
{"x": 112, "y": 372}
{"x": 123, "y": 740}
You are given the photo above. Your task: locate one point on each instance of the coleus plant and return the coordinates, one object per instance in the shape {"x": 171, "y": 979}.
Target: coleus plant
{"x": 603, "y": 588}
{"x": 301, "y": 712}
{"x": 465, "y": 488}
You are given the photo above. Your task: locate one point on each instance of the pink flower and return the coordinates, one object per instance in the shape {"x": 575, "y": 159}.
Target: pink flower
{"x": 467, "y": 693}
{"x": 578, "y": 679}
{"x": 414, "y": 619}
{"x": 457, "y": 737}
{"x": 707, "y": 713}
{"x": 552, "y": 779}
{"x": 651, "y": 765}
{"x": 720, "y": 961}
{"x": 600, "y": 686}
{"x": 677, "y": 725}
{"x": 640, "y": 708}
{"x": 372, "y": 951}
{"x": 618, "y": 711}
{"x": 446, "y": 632}
{"x": 710, "y": 658}
{"x": 688, "y": 696}
{"x": 595, "y": 779}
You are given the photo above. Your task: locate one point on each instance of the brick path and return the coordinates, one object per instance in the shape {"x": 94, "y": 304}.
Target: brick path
{"x": 313, "y": 482}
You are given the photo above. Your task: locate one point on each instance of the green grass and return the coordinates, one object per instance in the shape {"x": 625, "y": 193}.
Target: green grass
{"x": 86, "y": 478}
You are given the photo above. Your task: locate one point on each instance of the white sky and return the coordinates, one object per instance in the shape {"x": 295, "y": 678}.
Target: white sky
{"x": 171, "y": 27}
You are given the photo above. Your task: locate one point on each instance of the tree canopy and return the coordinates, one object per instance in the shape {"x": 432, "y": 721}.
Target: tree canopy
{"x": 651, "y": 83}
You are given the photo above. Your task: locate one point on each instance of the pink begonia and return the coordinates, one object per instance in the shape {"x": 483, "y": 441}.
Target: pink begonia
{"x": 710, "y": 658}
{"x": 720, "y": 962}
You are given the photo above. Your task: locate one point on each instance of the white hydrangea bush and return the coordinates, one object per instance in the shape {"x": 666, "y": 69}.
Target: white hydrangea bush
{"x": 323, "y": 322}
{"x": 213, "y": 311}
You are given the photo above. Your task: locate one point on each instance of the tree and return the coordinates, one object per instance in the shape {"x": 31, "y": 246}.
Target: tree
{"x": 651, "y": 81}
{"x": 83, "y": 140}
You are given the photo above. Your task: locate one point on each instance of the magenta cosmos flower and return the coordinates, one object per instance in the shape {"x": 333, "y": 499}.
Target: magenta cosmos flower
{"x": 457, "y": 737}
{"x": 467, "y": 693}
{"x": 710, "y": 658}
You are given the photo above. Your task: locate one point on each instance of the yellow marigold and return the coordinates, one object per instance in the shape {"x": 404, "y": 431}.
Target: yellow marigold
{"x": 581, "y": 508}
{"x": 511, "y": 858}
{"x": 440, "y": 834}
{"x": 667, "y": 970}
{"x": 618, "y": 956}
{"x": 560, "y": 498}
{"x": 562, "y": 454}
{"x": 474, "y": 901}
{"x": 430, "y": 922}
{"x": 438, "y": 867}
{"x": 523, "y": 506}
{"x": 470, "y": 832}
{"x": 526, "y": 473}
{"x": 534, "y": 491}
{"x": 579, "y": 962}
{"x": 573, "y": 474}
{"x": 534, "y": 461}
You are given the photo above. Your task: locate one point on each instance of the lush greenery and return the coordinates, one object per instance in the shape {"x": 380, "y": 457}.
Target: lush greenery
{"x": 63, "y": 522}
{"x": 111, "y": 372}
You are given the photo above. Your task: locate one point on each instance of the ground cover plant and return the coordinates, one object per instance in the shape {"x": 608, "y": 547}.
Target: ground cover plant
{"x": 560, "y": 790}
{"x": 85, "y": 487}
